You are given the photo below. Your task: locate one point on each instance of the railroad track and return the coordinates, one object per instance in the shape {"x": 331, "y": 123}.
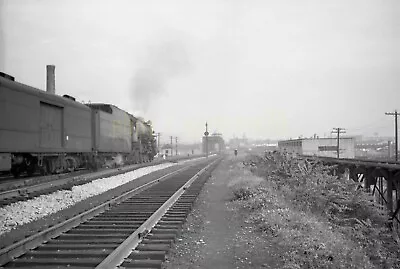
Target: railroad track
{"x": 9, "y": 182}
{"x": 30, "y": 192}
{"x": 64, "y": 182}
{"x": 135, "y": 229}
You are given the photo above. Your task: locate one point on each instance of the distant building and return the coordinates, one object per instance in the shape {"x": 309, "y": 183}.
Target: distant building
{"x": 376, "y": 149}
{"x": 215, "y": 143}
{"x": 167, "y": 150}
{"x": 320, "y": 146}
{"x": 238, "y": 142}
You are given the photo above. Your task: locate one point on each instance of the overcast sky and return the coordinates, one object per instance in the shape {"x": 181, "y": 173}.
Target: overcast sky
{"x": 269, "y": 69}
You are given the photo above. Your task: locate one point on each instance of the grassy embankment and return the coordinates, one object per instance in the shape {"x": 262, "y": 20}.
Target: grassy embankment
{"x": 321, "y": 220}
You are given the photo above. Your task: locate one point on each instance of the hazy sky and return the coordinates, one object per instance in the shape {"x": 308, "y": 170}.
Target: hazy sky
{"x": 269, "y": 69}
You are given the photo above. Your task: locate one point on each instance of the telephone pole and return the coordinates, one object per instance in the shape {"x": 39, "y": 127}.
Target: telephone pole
{"x": 395, "y": 113}
{"x": 172, "y": 149}
{"x": 338, "y": 131}
{"x": 176, "y": 146}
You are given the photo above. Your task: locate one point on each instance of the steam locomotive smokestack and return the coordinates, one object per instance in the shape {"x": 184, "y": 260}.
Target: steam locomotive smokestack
{"x": 51, "y": 79}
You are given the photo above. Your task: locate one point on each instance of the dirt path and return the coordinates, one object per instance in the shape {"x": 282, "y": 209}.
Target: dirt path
{"x": 216, "y": 234}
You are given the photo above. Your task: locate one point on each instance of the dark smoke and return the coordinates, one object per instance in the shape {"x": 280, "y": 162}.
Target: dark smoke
{"x": 165, "y": 59}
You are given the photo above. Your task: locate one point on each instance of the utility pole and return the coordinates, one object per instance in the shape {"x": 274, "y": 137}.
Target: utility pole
{"x": 338, "y": 131}
{"x": 171, "y": 147}
{"x": 158, "y": 141}
{"x": 206, "y": 134}
{"x": 176, "y": 146}
{"x": 395, "y": 131}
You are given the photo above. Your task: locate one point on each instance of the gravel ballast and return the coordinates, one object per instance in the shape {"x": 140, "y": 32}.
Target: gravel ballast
{"x": 23, "y": 212}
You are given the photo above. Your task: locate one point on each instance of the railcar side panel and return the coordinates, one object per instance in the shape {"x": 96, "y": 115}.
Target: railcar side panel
{"x": 77, "y": 129}
{"x": 33, "y": 121}
{"x": 19, "y": 114}
{"x": 113, "y": 131}
{"x": 51, "y": 126}
{"x": 95, "y": 120}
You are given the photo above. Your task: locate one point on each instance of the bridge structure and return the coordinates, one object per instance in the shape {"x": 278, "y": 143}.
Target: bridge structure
{"x": 380, "y": 178}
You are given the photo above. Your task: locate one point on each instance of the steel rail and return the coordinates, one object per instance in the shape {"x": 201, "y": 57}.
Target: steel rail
{"x": 19, "y": 248}
{"x": 78, "y": 179}
{"x": 125, "y": 248}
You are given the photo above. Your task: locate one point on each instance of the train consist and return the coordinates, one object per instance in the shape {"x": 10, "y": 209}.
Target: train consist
{"x": 41, "y": 131}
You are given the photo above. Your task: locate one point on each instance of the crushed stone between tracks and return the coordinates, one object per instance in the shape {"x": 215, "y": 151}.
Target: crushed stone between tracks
{"x": 23, "y": 212}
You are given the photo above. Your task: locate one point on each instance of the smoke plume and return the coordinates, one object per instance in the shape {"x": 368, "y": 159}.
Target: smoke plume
{"x": 166, "y": 58}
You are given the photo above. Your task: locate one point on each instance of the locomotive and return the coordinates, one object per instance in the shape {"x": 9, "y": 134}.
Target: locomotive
{"x": 42, "y": 131}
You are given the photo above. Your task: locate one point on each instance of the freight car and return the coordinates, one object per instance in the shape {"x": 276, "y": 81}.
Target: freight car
{"x": 41, "y": 130}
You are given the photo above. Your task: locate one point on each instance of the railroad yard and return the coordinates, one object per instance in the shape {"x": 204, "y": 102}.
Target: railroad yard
{"x": 199, "y": 134}
{"x": 136, "y": 219}
{"x": 50, "y": 217}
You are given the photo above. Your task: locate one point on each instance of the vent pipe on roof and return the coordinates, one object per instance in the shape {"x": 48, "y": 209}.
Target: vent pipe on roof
{"x": 51, "y": 79}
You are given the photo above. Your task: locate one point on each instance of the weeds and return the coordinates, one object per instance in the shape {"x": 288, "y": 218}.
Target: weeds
{"x": 243, "y": 193}
{"x": 318, "y": 217}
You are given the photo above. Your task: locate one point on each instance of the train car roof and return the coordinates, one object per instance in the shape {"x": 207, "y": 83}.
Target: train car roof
{"x": 54, "y": 98}
{"x": 103, "y": 107}
{"x": 106, "y": 107}
{"x": 109, "y": 109}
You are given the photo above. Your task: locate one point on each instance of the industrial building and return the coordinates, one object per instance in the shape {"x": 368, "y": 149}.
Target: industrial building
{"x": 320, "y": 146}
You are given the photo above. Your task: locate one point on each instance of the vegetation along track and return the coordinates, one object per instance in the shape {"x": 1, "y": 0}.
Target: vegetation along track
{"x": 25, "y": 193}
{"x": 132, "y": 230}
